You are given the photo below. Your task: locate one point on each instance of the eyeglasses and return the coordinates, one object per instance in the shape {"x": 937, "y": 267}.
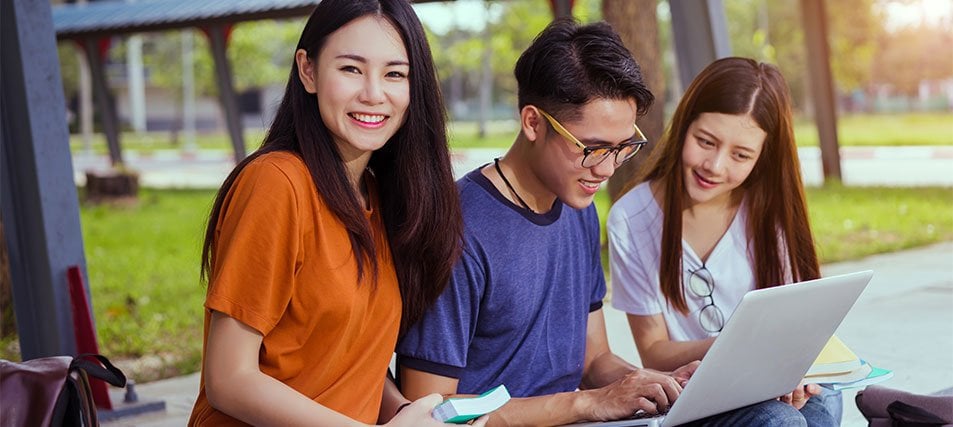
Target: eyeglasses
{"x": 594, "y": 155}
{"x": 701, "y": 284}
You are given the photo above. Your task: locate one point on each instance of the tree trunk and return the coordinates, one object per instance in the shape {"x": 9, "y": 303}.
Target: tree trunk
{"x": 637, "y": 25}
{"x": 486, "y": 77}
{"x": 8, "y": 325}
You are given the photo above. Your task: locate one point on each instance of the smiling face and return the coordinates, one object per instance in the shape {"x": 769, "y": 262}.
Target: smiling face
{"x": 558, "y": 162}
{"x": 719, "y": 152}
{"x": 361, "y": 81}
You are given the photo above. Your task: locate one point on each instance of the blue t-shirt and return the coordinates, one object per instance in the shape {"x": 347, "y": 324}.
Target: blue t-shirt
{"x": 517, "y": 305}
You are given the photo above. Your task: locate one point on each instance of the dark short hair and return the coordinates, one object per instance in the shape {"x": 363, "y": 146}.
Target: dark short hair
{"x": 568, "y": 65}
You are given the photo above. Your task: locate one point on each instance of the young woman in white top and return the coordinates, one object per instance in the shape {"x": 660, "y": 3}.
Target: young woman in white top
{"x": 718, "y": 211}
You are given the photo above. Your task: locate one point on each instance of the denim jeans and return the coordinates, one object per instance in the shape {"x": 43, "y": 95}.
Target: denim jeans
{"x": 833, "y": 401}
{"x": 772, "y": 413}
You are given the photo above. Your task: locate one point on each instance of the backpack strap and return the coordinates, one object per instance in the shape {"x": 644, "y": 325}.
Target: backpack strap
{"x": 906, "y": 415}
{"x": 103, "y": 370}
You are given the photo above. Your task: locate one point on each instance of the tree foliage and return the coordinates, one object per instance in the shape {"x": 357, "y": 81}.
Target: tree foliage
{"x": 912, "y": 54}
{"x": 774, "y": 32}
{"x": 513, "y": 25}
{"x": 259, "y": 52}
{"x": 69, "y": 66}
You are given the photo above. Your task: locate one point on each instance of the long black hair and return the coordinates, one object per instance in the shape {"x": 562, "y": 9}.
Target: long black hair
{"x": 418, "y": 200}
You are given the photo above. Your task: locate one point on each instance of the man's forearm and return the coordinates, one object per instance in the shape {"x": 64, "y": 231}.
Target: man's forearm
{"x": 604, "y": 370}
{"x": 670, "y": 355}
{"x": 554, "y": 409}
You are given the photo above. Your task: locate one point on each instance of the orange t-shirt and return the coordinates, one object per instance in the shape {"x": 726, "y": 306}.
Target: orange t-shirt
{"x": 284, "y": 266}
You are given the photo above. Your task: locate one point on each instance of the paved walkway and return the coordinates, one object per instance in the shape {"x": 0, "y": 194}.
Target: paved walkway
{"x": 888, "y": 166}
{"x": 903, "y": 322}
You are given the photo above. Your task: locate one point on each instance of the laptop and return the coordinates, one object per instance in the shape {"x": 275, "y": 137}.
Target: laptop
{"x": 764, "y": 350}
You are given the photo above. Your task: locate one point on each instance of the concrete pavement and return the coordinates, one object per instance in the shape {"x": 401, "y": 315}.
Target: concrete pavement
{"x": 902, "y": 322}
{"x": 887, "y": 166}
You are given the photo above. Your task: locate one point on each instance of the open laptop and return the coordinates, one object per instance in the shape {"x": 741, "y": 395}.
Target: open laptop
{"x": 765, "y": 348}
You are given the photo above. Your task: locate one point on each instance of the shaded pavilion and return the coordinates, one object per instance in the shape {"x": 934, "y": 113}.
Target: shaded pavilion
{"x": 40, "y": 207}
{"x": 93, "y": 25}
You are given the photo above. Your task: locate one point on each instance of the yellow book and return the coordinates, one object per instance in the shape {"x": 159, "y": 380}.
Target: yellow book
{"x": 835, "y": 358}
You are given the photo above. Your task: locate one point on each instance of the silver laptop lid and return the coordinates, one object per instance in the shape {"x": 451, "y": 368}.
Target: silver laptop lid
{"x": 767, "y": 345}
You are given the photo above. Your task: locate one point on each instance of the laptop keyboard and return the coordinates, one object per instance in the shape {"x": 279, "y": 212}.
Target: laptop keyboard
{"x": 640, "y": 414}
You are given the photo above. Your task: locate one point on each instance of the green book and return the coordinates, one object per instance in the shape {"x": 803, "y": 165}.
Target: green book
{"x": 459, "y": 410}
{"x": 875, "y": 376}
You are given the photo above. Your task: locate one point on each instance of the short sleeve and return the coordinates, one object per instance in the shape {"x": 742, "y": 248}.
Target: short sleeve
{"x": 256, "y": 248}
{"x": 632, "y": 290}
{"x": 440, "y": 341}
{"x": 598, "y": 292}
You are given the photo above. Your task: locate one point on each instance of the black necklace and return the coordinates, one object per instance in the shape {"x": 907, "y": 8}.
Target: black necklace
{"x": 496, "y": 163}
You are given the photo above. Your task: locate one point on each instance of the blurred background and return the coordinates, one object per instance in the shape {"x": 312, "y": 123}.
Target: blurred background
{"x": 887, "y": 57}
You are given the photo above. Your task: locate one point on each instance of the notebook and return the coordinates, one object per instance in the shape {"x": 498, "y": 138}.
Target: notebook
{"x": 835, "y": 358}
{"x": 459, "y": 410}
{"x": 764, "y": 350}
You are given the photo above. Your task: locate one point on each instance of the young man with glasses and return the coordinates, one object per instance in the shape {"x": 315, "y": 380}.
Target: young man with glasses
{"x": 524, "y": 304}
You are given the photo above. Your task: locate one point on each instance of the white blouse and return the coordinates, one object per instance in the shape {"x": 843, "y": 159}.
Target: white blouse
{"x": 634, "y": 227}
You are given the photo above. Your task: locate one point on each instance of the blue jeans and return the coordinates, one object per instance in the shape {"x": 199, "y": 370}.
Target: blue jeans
{"x": 825, "y": 409}
{"x": 770, "y": 413}
{"x": 773, "y": 413}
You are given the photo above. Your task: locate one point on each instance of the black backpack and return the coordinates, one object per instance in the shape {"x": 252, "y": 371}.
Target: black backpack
{"x": 53, "y": 391}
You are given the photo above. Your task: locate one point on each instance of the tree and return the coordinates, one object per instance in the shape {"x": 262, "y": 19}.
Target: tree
{"x": 67, "y": 52}
{"x": 855, "y": 27}
{"x": 773, "y": 32}
{"x": 261, "y": 52}
{"x": 637, "y": 24}
{"x": 912, "y": 54}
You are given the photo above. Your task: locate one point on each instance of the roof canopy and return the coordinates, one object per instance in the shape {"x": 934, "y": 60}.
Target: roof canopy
{"x": 108, "y": 18}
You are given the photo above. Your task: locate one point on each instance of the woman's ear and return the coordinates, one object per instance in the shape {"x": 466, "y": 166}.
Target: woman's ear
{"x": 531, "y": 122}
{"x": 306, "y": 70}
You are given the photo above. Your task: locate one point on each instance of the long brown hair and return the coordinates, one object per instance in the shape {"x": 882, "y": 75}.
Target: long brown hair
{"x": 774, "y": 193}
{"x": 419, "y": 202}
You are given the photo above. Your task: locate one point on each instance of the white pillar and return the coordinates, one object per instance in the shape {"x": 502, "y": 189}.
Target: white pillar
{"x": 137, "y": 87}
{"x": 85, "y": 102}
{"x": 188, "y": 91}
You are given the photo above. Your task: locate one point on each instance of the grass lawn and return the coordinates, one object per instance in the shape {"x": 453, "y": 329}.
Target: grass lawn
{"x": 147, "y": 300}
{"x": 143, "y": 260}
{"x": 883, "y": 130}
{"x": 853, "y": 130}
{"x": 143, "y": 266}
{"x": 853, "y": 222}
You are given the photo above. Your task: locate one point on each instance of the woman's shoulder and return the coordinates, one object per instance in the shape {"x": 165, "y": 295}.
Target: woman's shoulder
{"x": 278, "y": 164}
{"x": 637, "y": 206}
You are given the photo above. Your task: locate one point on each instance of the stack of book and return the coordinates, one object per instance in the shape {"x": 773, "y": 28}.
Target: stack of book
{"x": 461, "y": 410}
{"x": 838, "y": 368}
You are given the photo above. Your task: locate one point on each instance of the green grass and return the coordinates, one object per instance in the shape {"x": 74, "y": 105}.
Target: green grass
{"x": 853, "y": 222}
{"x": 143, "y": 264}
{"x": 853, "y": 130}
{"x": 143, "y": 260}
{"x": 152, "y": 141}
{"x": 883, "y": 130}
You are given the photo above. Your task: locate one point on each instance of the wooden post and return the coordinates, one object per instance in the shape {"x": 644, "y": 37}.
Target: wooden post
{"x": 218, "y": 41}
{"x": 822, "y": 86}
{"x": 637, "y": 25}
{"x": 95, "y": 50}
